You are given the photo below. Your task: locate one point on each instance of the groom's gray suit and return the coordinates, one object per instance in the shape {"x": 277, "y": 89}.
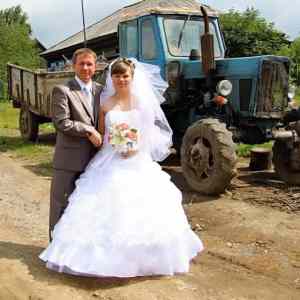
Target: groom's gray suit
{"x": 73, "y": 119}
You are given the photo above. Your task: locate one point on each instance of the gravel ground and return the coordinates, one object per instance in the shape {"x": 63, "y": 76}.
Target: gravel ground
{"x": 251, "y": 236}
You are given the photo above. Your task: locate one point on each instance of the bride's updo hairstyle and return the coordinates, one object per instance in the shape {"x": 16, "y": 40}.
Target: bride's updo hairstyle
{"x": 121, "y": 66}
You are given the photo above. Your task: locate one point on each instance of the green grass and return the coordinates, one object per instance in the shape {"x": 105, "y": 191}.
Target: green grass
{"x": 9, "y": 116}
{"x": 36, "y": 156}
{"x": 243, "y": 150}
{"x": 46, "y": 128}
{"x": 297, "y": 96}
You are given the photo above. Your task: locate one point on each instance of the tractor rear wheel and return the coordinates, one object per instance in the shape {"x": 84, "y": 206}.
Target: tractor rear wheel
{"x": 28, "y": 124}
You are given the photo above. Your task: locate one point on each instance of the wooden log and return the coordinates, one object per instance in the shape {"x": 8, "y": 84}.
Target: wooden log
{"x": 260, "y": 159}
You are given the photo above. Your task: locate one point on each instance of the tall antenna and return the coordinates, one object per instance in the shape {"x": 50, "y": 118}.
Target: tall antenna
{"x": 83, "y": 22}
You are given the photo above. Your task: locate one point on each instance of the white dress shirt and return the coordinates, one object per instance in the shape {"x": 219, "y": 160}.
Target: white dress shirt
{"x": 87, "y": 89}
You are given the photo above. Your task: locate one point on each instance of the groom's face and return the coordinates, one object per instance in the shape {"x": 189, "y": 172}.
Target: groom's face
{"x": 85, "y": 67}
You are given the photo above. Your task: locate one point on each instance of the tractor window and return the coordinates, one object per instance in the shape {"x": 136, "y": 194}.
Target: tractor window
{"x": 148, "y": 40}
{"x": 189, "y": 34}
{"x": 129, "y": 39}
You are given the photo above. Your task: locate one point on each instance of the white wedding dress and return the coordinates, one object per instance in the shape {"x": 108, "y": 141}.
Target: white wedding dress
{"x": 124, "y": 219}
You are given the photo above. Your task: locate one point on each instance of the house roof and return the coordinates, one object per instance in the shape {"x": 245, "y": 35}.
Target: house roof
{"x": 40, "y": 45}
{"x": 109, "y": 25}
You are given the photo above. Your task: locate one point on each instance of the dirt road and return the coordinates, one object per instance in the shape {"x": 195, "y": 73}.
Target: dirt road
{"x": 251, "y": 235}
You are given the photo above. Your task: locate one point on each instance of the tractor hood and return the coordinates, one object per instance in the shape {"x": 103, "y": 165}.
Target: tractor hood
{"x": 260, "y": 83}
{"x": 231, "y": 68}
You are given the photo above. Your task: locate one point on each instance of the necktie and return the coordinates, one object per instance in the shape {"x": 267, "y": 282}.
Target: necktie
{"x": 89, "y": 95}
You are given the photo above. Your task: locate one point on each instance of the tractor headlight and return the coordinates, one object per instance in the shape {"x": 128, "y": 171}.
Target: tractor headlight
{"x": 224, "y": 88}
{"x": 172, "y": 73}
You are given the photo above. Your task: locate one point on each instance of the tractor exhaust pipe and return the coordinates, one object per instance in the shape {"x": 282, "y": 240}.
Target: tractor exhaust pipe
{"x": 207, "y": 47}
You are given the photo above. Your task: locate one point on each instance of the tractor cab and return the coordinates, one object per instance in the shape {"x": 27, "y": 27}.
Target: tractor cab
{"x": 160, "y": 38}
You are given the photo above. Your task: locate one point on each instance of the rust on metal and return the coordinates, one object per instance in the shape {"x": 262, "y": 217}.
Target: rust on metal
{"x": 207, "y": 46}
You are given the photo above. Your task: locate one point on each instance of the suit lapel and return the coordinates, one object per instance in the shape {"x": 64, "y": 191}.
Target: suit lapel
{"x": 96, "y": 94}
{"x": 76, "y": 90}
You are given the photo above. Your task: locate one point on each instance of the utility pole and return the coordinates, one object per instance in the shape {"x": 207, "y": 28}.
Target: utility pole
{"x": 83, "y": 22}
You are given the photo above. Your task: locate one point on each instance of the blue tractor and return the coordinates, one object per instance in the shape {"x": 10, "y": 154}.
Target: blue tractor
{"x": 214, "y": 102}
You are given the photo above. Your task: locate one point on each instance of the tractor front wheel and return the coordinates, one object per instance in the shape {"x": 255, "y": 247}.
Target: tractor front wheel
{"x": 208, "y": 157}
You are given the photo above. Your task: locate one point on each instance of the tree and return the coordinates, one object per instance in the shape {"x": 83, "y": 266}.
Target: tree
{"x": 16, "y": 44}
{"x": 293, "y": 52}
{"x": 248, "y": 34}
{"x": 13, "y": 16}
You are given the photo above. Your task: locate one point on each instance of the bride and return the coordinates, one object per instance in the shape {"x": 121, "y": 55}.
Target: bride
{"x": 125, "y": 217}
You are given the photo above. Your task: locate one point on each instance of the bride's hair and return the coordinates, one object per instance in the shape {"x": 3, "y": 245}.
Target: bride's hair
{"x": 121, "y": 65}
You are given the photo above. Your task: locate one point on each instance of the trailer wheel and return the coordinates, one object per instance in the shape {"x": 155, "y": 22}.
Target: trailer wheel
{"x": 28, "y": 124}
{"x": 282, "y": 163}
{"x": 208, "y": 157}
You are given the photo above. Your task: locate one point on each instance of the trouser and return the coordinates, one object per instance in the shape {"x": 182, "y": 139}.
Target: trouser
{"x": 62, "y": 185}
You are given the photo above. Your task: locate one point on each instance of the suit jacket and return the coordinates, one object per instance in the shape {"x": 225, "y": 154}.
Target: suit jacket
{"x": 73, "y": 120}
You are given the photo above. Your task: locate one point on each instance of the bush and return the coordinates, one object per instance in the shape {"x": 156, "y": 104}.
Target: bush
{"x": 297, "y": 96}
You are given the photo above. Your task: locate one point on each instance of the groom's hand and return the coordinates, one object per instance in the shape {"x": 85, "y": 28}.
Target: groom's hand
{"x": 95, "y": 138}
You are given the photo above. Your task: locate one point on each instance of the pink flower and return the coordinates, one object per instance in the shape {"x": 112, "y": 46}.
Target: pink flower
{"x": 131, "y": 135}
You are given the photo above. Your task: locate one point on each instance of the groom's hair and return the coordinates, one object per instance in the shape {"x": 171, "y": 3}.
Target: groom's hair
{"x": 83, "y": 51}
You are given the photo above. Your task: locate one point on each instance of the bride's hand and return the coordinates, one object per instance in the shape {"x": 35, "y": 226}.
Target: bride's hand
{"x": 128, "y": 153}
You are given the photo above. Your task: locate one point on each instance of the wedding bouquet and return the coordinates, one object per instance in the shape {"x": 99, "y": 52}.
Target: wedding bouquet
{"x": 123, "y": 137}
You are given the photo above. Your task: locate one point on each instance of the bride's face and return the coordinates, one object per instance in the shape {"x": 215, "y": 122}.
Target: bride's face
{"x": 122, "y": 81}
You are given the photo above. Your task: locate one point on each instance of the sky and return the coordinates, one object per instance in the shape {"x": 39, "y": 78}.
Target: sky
{"x": 54, "y": 20}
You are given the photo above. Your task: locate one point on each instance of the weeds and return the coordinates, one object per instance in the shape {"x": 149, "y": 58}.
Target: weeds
{"x": 37, "y": 155}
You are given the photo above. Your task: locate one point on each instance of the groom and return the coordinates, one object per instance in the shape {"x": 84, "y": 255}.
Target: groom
{"x": 75, "y": 117}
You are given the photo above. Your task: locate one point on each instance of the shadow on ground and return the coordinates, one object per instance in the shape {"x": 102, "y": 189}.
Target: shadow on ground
{"x": 47, "y": 139}
{"x": 172, "y": 166}
{"x": 12, "y": 143}
{"x": 34, "y": 156}
{"x": 28, "y": 255}
{"x": 260, "y": 178}
{"x": 42, "y": 169}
